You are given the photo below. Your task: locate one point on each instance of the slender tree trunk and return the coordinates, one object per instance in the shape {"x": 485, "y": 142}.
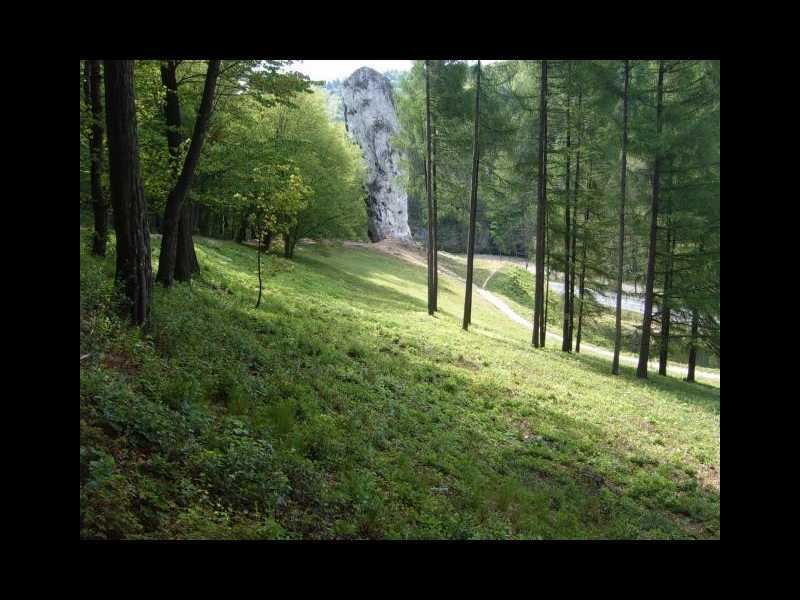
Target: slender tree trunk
{"x": 289, "y": 242}
{"x": 583, "y": 266}
{"x": 647, "y": 319}
{"x": 692, "y": 348}
{"x": 621, "y": 242}
{"x": 538, "y": 304}
{"x": 566, "y": 340}
{"x": 134, "y": 270}
{"x": 241, "y": 232}
{"x": 429, "y": 186}
{"x": 666, "y": 311}
{"x": 435, "y": 228}
{"x": 473, "y": 202}
{"x": 575, "y": 220}
{"x": 99, "y": 204}
{"x": 288, "y": 246}
{"x": 580, "y": 301}
{"x": 546, "y": 279}
{"x": 258, "y": 252}
{"x": 174, "y": 218}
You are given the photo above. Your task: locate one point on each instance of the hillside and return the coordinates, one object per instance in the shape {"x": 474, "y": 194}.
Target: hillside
{"x": 340, "y": 409}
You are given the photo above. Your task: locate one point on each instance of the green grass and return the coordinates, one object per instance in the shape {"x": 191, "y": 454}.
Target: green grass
{"x": 516, "y": 286}
{"x": 340, "y": 409}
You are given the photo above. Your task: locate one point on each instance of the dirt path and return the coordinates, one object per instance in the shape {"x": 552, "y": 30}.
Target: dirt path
{"x": 411, "y": 254}
{"x": 496, "y": 269}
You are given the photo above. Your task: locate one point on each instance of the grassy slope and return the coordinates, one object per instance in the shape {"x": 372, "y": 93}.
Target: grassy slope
{"x": 341, "y": 409}
{"x": 515, "y": 284}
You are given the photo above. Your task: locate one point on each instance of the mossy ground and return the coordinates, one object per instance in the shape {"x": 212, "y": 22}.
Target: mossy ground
{"x": 340, "y": 409}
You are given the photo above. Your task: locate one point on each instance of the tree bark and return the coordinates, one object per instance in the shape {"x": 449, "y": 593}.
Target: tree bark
{"x": 692, "y": 348}
{"x": 177, "y": 230}
{"x": 583, "y": 267}
{"x": 99, "y": 204}
{"x": 566, "y": 341}
{"x": 435, "y": 226}
{"x": 258, "y": 252}
{"x": 621, "y": 240}
{"x": 666, "y": 312}
{"x": 186, "y": 263}
{"x": 575, "y": 220}
{"x": 435, "y": 244}
{"x": 543, "y": 336}
{"x": 538, "y": 304}
{"x": 429, "y": 186}
{"x": 473, "y": 202}
{"x": 647, "y": 319}
{"x": 134, "y": 270}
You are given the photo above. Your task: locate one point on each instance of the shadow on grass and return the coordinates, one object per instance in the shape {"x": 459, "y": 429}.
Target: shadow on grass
{"x": 400, "y": 426}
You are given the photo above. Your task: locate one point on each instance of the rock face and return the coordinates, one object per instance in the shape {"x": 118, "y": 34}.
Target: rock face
{"x": 370, "y": 118}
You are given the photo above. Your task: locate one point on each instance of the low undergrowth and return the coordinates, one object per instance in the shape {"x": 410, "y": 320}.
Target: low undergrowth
{"x": 340, "y": 409}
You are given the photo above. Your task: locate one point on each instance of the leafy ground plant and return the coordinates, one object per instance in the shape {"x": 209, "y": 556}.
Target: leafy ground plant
{"x": 340, "y": 409}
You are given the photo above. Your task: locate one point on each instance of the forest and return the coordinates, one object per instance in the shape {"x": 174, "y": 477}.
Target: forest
{"x": 539, "y": 359}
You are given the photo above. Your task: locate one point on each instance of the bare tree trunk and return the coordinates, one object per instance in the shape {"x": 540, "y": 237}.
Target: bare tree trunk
{"x": 186, "y": 263}
{"x": 258, "y": 252}
{"x": 546, "y": 278}
{"x": 134, "y": 270}
{"x": 692, "y": 348}
{"x": 538, "y": 304}
{"x": 621, "y": 243}
{"x": 186, "y": 259}
{"x": 99, "y": 204}
{"x": 429, "y": 186}
{"x": 473, "y": 203}
{"x": 583, "y": 266}
{"x": 575, "y": 221}
{"x": 435, "y": 228}
{"x": 566, "y": 341}
{"x": 174, "y": 219}
{"x": 647, "y": 319}
{"x": 666, "y": 313}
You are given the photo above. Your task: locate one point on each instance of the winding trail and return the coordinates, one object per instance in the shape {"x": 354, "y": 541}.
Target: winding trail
{"x": 410, "y": 254}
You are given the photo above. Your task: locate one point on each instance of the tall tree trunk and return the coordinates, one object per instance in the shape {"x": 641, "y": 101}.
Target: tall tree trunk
{"x": 186, "y": 263}
{"x": 538, "y": 303}
{"x": 258, "y": 252}
{"x": 99, "y": 204}
{"x": 581, "y": 285}
{"x": 575, "y": 220}
{"x": 435, "y": 228}
{"x": 543, "y": 337}
{"x": 692, "y": 348}
{"x": 666, "y": 311}
{"x": 134, "y": 270}
{"x": 621, "y": 240}
{"x": 174, "y": 219}
{"x": 566, "y": 340}
{"x": 473, "y": 202}
{"x": 647, "y": 319}
{"x": 435, "y": 244}
{"x": 429, "y": 186}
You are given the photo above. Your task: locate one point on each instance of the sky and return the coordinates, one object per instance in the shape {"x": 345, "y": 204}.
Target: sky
{"x": 329, "y": 70}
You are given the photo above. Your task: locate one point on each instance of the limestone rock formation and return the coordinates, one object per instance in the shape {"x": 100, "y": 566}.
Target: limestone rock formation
{"x": 371, "y": 118}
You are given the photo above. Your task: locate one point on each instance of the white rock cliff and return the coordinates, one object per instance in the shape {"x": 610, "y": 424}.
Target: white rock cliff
{"x": 371, "y": 118}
